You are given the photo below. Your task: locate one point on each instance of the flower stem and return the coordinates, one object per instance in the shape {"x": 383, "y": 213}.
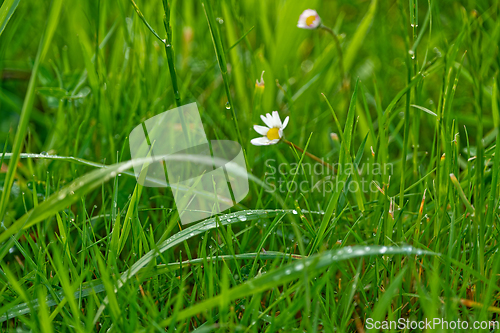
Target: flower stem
{"x": 317, "y": 159}
{"x": 339, "y": 51}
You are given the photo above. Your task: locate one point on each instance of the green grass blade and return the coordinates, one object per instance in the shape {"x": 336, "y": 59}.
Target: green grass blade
{"x": 6, "y": 11}
{"x": 312, "y": 266}
{"x": 53, "y": 20}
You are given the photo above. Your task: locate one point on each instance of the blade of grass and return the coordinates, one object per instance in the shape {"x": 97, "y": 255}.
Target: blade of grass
{"x": 198, "y": 228}
{"x": 22, "y": 127}
{"x": 6, "y": 11}
{"x": 312, "y": 265}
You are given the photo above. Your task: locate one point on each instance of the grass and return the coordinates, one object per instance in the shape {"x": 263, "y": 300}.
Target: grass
{"x": 85, "y": 248}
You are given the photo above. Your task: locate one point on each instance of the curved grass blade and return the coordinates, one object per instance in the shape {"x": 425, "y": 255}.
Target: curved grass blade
{"x": 310, "y": 266}
{"x": 6, "y": 11}
{"x": 82, "y": 185}
{"x": 424, "y": 109}
{"x": 201, "y": 227}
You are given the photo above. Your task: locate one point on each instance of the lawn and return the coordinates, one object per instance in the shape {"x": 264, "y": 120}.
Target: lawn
{"x": 367, "y": 192}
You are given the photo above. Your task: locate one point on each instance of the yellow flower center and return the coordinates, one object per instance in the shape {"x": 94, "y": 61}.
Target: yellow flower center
{"x": 310, "y": 20}
{"x": 273, "y": 133}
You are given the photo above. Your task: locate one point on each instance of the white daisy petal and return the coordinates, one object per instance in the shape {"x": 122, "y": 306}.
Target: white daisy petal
{"x": 262, "y": 130}
{"x": 285, "y": 122}
{"x": 266, "y": 121}
{"x": 280, "y": 132}
{"x": 277, "y": 120}
{"x": 262, "y": 141}
{"x": 270, "y": 118}
{"x": 275, "y": 141}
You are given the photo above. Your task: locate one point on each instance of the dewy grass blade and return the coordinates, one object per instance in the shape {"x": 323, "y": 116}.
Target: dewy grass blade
{"x": 198, "y": 228}
{"x": 22, "y": 127}
{"x": 82, "y": 161}
{"x": 81, "y": 186}
{"x": 312, "y": 265}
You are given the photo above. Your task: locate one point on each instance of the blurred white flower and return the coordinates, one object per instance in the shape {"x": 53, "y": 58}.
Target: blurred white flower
{"x": 309, "y": 19}
{"x": 273, "y": 132}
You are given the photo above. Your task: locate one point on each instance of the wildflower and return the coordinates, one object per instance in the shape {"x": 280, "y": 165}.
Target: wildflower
{"x": 273, "y": 132}
{"x": 309, "y": 19}
{"x": 261, "y": 83}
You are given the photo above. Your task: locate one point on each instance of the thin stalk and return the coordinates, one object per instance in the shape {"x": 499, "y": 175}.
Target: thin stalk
{"x": 408, "y": 96}
{"x": 221, "y": 59}
{"x": 339, "y": 51}
{"x": 170, "y": 52}
{"x": 317, "y": 159}
{"x": 143, "y": 19}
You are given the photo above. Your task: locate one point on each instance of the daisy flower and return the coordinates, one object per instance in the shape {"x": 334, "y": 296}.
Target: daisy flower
{"x": 273, "y": 132}
{"x": 309, "y": 19}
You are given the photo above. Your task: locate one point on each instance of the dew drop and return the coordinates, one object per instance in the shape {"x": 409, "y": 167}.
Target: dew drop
{"x": 228, "y": 106}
